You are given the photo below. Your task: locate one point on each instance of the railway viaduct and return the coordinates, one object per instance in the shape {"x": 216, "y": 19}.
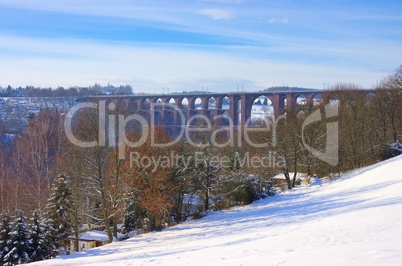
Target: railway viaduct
{"x": 175, "y": 110}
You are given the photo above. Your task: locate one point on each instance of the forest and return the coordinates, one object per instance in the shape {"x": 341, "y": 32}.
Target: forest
{"x": 96, "y": 89}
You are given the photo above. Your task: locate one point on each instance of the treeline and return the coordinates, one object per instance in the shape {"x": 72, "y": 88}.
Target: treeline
{"x": 97, "y": 89}
{"x": 359, "y": 127}
{"x": 150, "y": 186}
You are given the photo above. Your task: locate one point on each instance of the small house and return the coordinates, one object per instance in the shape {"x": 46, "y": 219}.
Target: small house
{"x": 90, "y": 239}
{"x": 279, "y": 181}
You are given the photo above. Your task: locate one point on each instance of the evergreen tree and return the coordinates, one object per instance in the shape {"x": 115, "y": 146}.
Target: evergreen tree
{"x": 134, "y": 214}
{"x": 59, "y": 209}
{"x": 18, "y": 244}
{"x": 49, "y": 237}
{"x": 6, "y": 227}
{"x": 42, "y": 238}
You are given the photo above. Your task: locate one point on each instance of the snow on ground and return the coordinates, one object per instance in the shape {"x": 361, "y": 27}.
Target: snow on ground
{"x": 356, "y": 219}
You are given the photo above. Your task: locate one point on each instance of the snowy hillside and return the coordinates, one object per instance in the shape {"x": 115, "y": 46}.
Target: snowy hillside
{"x": 355, "y": 220}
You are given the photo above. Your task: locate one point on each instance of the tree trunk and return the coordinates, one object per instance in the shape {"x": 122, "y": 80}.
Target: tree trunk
{"x": 206, "y": 199}
{"x": 287, "y": 176}
{"x": 115, "y": 226}
{"x": 294, "y": 180}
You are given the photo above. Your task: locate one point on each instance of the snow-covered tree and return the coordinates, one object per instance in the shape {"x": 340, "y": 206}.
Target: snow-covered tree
{"x": 180, "y": 176}
{"x": 206, "y": 174}
{"x": 6, "y": 227}
{"x": 18, "y": 245}
{"x": 219, "y": 177}
{"x": 59, "y": 209}
{"x": 231, "y": 183}
{"x": 42, "y": 245}
{"x": 134, "y": 214}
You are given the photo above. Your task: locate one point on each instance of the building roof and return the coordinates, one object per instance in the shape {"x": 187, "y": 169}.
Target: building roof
{"x": 282, "y": 176}
{"x": 94, "y": 235}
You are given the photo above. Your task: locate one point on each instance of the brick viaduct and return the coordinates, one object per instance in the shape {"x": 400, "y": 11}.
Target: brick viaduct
{"x": 174, "y": 110}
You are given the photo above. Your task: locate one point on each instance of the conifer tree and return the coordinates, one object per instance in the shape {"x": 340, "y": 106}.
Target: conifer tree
{"x": 59, "y": 209}
{"x": 6, "y": 227}
{"x": 129, "y": 217}
{"x": 18, "y": 244}
{"x": 42, "y": 239}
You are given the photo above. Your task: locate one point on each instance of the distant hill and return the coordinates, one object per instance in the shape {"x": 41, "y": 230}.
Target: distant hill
{"x": 287, "y": 89}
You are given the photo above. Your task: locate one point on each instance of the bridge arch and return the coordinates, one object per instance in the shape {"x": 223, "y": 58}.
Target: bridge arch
{"x": 157, "y": 118}
{"x": 195, "y": 120}
{"x": 210, "y": 103}
{"x": 145, "y": 104}
{"x": 183, "y": 103}
{"x": 146, "y": 115}
{"x": 122, "y": 106}
{"x": 157, "y": 103}
{"x": 169, "y": 118}
{"x": 334, "y": 100}
{"x": 301, "y": 101}
{"x": 224, "y": 119}
{"x": 317, "y": 99}
{"x": 262, "y": 107}
{"x": 196, "y": 103}
{"x": 171, "y": 103}
{"x": 132, "y": 105}
{"x": 223, "y": 103}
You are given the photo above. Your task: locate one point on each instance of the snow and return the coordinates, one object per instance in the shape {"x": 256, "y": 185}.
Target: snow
{"x": 396, "y": 147}
{"x": 291, "y": 174}
{"x": 192, "y": 199}
{"x": 354, "y": 220}
{"x": 94, "y": 235}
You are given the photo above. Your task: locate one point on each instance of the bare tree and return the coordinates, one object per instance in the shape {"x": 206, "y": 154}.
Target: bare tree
{"x": 41, "y": 142}
{"x": 289, "y": 144}
{"x": 101, "y": 170}
{"x": 389, "y": 105}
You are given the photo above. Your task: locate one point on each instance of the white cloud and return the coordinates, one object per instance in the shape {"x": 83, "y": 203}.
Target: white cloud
{"x": 218, "y": 14}
{"x": 281, "y": 20}
{"x": 159, "y": 10}
{"x": 151, "y": 68}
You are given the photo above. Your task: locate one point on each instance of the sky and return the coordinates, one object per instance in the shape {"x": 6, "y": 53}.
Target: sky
{"x": 211, "y": 45}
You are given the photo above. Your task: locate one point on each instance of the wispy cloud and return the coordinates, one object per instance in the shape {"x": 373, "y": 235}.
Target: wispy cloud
{"x": 279, "y": 20}
{"x": 218, "y": 14}
{"x": 151, "y": 68}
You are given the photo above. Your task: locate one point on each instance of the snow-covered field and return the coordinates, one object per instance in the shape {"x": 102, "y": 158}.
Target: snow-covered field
{"x": 355, "y": 220}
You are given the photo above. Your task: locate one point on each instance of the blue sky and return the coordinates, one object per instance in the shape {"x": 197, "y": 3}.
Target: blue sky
{"x": 221, "y": 45}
